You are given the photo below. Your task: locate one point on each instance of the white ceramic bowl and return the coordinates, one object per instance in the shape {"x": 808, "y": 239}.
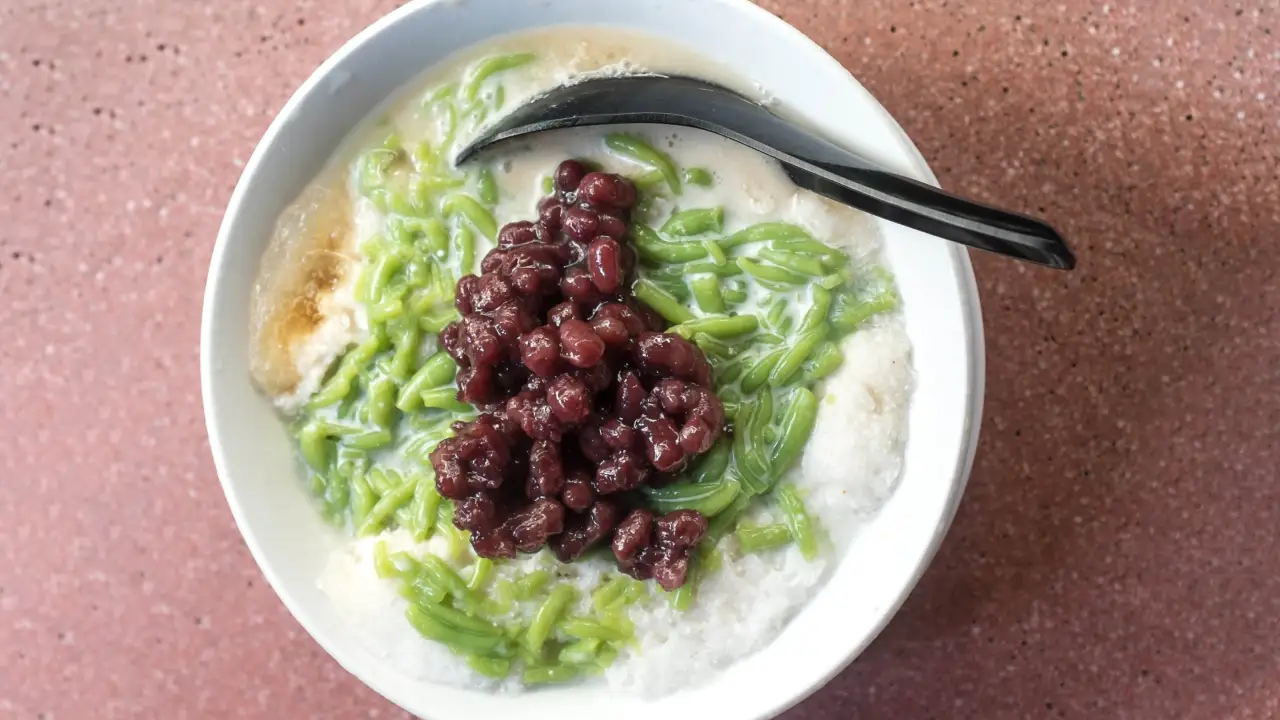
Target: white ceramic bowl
{"x": 254, "y": 457}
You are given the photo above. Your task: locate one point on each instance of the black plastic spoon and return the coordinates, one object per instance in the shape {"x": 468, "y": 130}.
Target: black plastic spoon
{"x": 812, "y": 162}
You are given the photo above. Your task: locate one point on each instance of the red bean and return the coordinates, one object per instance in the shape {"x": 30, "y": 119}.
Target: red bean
{"x": 662, "y": 442}
{"x": 579, "y": 345}
{"x": 664, "y": 354}
{"x": 516, "y": 233}
{"x": 451, "y": 478}
{"x": 617, "y": 434}
{"x": 603, "y": 264}
{"x": 496, "y": 545}
{"x": 580, "y": 224}
{"x": 569, "y": 175}
{"x": 670, "y": 393}
{"x": 630, "y": 397}
{"x": 451, "y": 341}
{"x": 612, "y": 225}
{"x": 671, "y": 572}
{"x": 577, "y": 284}
{"x": 510, "y": 321}
{"x": 682, "y": 528}
{"x": 533, "y": 415}
{"x": 465, "y": 290}
{"x": 567, "y": 310}
{"x": 547, "y": 232}
{"x": 620, "y": 472}
{"x": 475, "y": 384}
{"x": 632, "y": 535}
{"x": 526, "y": 280}
{"x": 569, "y": 401}
{"x": 532, "y": 526}
{"x": 540, "y": 351}
{"x": 477, "y": 513}
{"x": 495, "y": 261}
{"x": 546, "y": 471}
{"x": 550, "y": 213}
{"x": 577, "y": 494}
{"x": 611, "y": 330}
{"x": 479, "y": 340}
{"x": 607, "y": 191}
{"x": 629, "y": 317}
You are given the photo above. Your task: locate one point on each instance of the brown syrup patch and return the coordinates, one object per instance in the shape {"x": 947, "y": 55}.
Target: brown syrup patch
{"x": 310, "y": 256}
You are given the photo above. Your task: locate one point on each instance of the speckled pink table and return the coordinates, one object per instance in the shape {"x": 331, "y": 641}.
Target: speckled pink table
{"x": 1115, "y": 555}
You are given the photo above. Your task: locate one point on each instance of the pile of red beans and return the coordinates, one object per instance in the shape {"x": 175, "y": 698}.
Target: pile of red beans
{"x": 583, "y": 398}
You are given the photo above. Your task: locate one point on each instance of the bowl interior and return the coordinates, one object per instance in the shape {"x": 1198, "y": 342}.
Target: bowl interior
{"x": 253, "y": 453}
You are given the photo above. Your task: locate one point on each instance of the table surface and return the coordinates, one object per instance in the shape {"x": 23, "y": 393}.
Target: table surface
{"x": 1115, "y": 555}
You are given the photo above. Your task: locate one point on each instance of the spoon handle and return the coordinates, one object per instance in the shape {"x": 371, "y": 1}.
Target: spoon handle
{"x": 930, "y": 210}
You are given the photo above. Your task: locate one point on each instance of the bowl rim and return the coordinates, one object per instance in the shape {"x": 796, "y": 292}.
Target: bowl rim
{"x": 972, "y": 335}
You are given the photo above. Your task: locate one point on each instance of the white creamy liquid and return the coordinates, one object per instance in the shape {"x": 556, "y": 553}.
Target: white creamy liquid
{"x": 848, "y": 469}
